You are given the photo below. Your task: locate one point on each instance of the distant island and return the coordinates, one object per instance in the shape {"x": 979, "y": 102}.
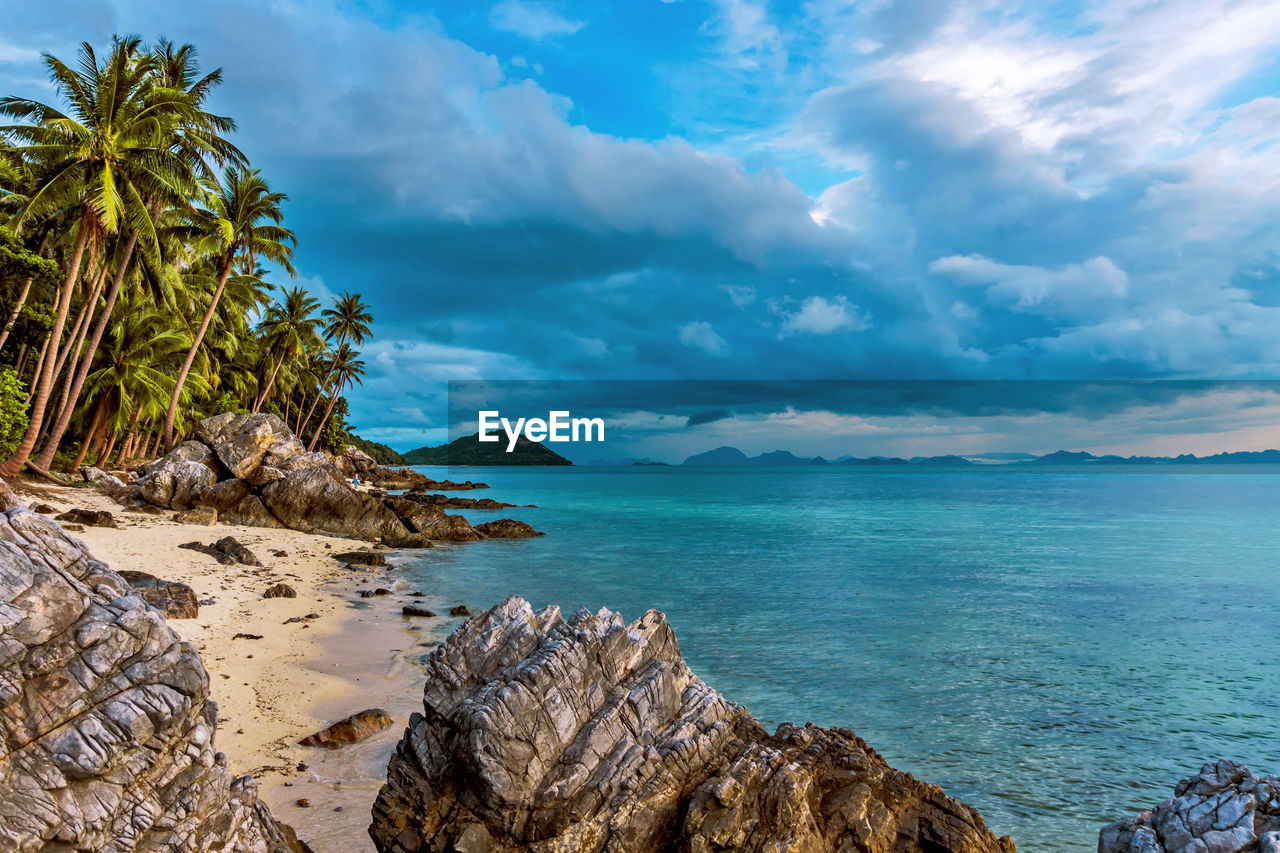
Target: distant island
{"x": 727, "y": 456}
{"x": 469, "y": 450}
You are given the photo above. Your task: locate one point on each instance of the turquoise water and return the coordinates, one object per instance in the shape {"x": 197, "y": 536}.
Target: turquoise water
{"x": 1055, "y": 647}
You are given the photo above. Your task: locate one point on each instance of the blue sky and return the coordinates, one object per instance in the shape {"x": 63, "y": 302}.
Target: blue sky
{"x": 760, "y": 190}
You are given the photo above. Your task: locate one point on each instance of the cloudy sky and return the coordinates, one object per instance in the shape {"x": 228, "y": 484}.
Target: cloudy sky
{"x": 529, "y": 189}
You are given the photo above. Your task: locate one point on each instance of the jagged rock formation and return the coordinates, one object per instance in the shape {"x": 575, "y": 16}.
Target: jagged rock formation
{"x": 107, "y": 726}
{"x": 541, "y": 734}
{"x": 1225, "y": 809}
{"x": 252, "y": 470}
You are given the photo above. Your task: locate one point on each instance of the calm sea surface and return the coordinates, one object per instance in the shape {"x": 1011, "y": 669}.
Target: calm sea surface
{"x": 1055, "y": 647}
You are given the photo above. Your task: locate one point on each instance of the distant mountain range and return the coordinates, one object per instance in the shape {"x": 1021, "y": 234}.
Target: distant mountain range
{"x": 469, "y": 450}
{"x": 733, "y": 456}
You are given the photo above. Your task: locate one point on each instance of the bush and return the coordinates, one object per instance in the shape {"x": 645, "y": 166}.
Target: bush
{"x": 13, "y": 410}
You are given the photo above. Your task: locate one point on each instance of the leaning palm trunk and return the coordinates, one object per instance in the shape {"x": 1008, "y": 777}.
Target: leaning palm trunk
{"x": 172, "y": 414}
{"x": 22, "y": 299}
{"x": 22, "y": 452}
{"x": 86, "y": 361}
{"x": 69, "y": 355}
{"x": 99, "y": 417}
{"x": 305, "y": 422}
{"x": 328, "y": 410}
{"x": 260, "y": 401}
{"x": 40, "y": 360}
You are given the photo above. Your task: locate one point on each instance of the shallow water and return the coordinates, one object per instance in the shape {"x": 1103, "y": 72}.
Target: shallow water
{"x": 1055, "y": 647}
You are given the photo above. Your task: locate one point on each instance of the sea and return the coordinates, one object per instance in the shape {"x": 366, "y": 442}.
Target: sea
{"x": 1055, "y": 646}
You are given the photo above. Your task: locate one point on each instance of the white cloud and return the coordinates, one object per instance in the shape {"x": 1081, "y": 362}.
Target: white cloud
{"x": 742, "y": 295}
{"x": 699, "y": 335}
{"x": 1086, "y": 289}
{"x": 817, "y": 316}
{"x": 531, "y": 20}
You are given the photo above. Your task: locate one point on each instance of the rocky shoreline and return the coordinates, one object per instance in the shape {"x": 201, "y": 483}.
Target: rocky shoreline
{"x": 535, "y": 731}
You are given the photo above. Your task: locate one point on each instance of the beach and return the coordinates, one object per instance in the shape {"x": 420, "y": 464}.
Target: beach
{"x": 312, "y": 660}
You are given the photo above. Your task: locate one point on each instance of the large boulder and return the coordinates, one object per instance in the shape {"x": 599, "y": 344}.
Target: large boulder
{"x": 236, "y": 503}
{"x": 541, "y": 734}
{"x": 397, "y": 478}
{"x": 188, "y": 451}
{"x": 506, "y": 528}
{"x": 108, "y": 730}
{"x": 174, "y": 599}
{"x": 352, "y": 461}
{"x": 432, "y": 521}
{"x": 318, "y": 500}
{"x": 1225, "y": 809}
{"x": 176, "y": 484}
{"x": 243, "y": 442}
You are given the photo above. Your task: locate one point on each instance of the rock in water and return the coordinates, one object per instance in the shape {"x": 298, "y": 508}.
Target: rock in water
{"x": 353, "y": 729}
{"x": 107, "y": 726}
{"x": 317, "y": 500}
{"x": 541, "y": 734}
{"x": 507, "y": 528}
{"x": 1225, "y": 809}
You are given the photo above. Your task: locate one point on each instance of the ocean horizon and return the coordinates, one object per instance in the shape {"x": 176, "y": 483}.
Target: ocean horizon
{"x": 1056, "y": 646}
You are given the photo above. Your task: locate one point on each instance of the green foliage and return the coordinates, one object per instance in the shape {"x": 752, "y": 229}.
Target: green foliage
{"x": 336, "y": 434}
{"x": 13, "y": 410}
{"x": 469, "y": 450}
{"x": 18, "y": 263}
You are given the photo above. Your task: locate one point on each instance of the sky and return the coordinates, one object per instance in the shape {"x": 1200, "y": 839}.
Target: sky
{"x": 715, "y": 189}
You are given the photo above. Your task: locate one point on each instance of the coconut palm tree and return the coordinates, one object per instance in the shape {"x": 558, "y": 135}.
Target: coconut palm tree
{"x": 348, "y": 320}
{"x": 289, "y": 329}
{"x": 241, "y": 222}
{"x": 102, "y": 157}
{"x": 345, "y": 368}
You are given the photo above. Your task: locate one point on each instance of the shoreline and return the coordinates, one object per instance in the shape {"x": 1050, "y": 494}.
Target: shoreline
{"x": 316, "y": 659}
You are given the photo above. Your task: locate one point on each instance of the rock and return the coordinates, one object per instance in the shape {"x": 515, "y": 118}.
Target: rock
{"x": 175, "y": 600}
{"x": 415, "y": 610}
{"x": 431, "y": 520}
{"x": 242, "y": 442}
{"x": 263, "y": 474}
{"x": 396, "y": 478}
{"x": 1225, "y": 809}
{"x": 317, "y": 500}
{"x": 206, "y": 515}
{"x": 90, "y": 474}
{"x": 107, "y": 726}
{"x": 280, "y": 590}
{"x": 307, "y": 460}
{"x": 188, "y": 451}
{"x": 228, "y": 551}
{"x": 88, "y": 517}
{"x": 506, "y": 528}
{"x": 450, "y": 502}
{"x": 451, "y": 486}
{"x": 230, "y": 545}
{"x": 237, "y": 504}
{"x": 361, "y": 558}
{"x": 460, "y": 610}
{"x": 413, "y": 540}
{"x": 73, "y": 528}
{"x": 176, "y": 484}
{"x": 352, "y": 462}
{"x": 593, "y": 735}
{"x": 144, "y": 509}
{"x": 353, "y": 729}
{"x": 43, "y": 508}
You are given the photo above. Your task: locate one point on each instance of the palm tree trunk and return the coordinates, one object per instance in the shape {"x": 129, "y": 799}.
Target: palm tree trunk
{"x": 297, "y": 421}
{"x": 22, "y": 298}
{"x": 71, "y": 352}
{"x": 105, "y": 458}
{"x": 86, "y": 361}
{"x": 99, "y": 416}
{"x": 22, "y": 452}
{"x": 154, "y": 448}
{"x": 328, "y": 410}
{"x": 172, "y": 414}
{"x": 260, "y": 401}
{"x": 319, "y": 396}
{"x": 35, "y": 374}
{"x": 22, "y": 359}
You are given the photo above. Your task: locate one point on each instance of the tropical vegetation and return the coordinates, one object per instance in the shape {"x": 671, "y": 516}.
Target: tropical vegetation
{"x": 142, "y": 267}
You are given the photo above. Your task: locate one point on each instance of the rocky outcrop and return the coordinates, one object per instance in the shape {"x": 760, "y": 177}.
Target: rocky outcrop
{"x": 396, "y": 478}
{"x": 353, "y": 462}
{"x": 174, "y": 599}
{"x": 318, "y": 500}
{"x": 1225, "y": 809}
{"x": 506, "y": 528}
{"x": 450, "y": 502}
{"x": 432, "y": 521}
{"x": 88, "y": 517}
{"x": 588, "y": 734}
{"x": 205, "y": 515}
{"x": 107, "y": 726}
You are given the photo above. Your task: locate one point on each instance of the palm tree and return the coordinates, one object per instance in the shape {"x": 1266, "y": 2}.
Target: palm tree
{"x": 348, "y": 320}
{"x": 345, "y": 369}
{"x": 241, "y": 222}
{"x": 289, "y": 329}
{"x": 103, "y": 157}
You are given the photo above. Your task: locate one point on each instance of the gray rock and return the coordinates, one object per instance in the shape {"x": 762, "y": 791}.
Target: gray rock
{"x": 176, "y": 484}
{"x": 318, "y": 500}
{"x": 205, "y": 515}
{"x": 1224, "y": 809}
{"x": 188, "y": 451}
{"x": 431, "y": 521}
{"x": 174, "y": 599}
{"x": 352, "y": 461}
{"x": 589, "y": 734}
{"x": 236, "y": 504}
{"x": 107, "y": 726}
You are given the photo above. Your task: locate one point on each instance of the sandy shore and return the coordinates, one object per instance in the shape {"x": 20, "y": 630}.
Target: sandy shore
{"x": 323, "y": 655}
